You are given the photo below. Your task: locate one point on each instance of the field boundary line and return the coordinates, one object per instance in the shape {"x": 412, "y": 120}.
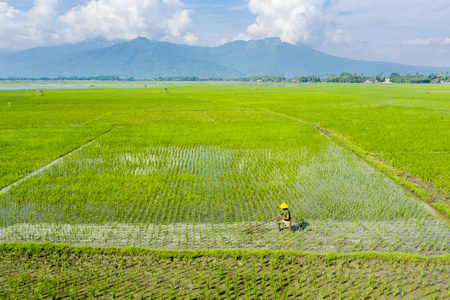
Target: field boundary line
{"x": 32, "y": 247}
{"x": 50, "y": 164}
{"x": 204, "y": 113}
{"x": 97, "y": 118}
{"x": 323, "y": 130}
{"x": 409, "y": 183}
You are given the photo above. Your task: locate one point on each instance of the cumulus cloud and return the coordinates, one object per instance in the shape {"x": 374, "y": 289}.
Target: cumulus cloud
{"x": 23, "y": 29}
{"x": 293, "y": 21}
{"x": 44, "y": 24}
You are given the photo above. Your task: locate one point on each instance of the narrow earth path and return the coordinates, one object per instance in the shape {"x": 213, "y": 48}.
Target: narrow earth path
{"x": 209, "y": 118}
{"x": 50, "y": 164}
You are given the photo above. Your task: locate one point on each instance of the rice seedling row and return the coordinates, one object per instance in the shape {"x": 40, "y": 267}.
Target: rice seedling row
{"x": 189, "y": 197}
{"x": 193, "y": 168}
{"x": 57, "y": 272}
{"x": 401, "y": 126}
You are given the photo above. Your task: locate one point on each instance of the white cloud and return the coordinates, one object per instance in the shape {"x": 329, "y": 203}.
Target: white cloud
{"x": 23, "y": 29}
{"x": 407, "y": 32}
{"x": 414, "y": 42}
{"x": 44, "y": 24}
{"x": 293, "y": 21}
{"x": 426, "y": 42}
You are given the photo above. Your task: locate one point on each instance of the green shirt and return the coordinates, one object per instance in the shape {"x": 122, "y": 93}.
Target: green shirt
{"x": 287, "y": 214}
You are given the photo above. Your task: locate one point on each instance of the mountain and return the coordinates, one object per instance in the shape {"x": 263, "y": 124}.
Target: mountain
{"x": 142, "y": 58}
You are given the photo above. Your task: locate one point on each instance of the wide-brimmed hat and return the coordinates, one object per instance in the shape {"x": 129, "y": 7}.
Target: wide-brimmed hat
{"x": 284, "y": 205}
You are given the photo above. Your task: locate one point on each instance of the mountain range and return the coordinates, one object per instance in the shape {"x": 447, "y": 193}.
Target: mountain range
{"x": 146, "y": 59}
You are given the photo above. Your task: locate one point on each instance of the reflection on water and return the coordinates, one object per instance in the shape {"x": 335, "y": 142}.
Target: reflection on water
{"x": 52, "y": 87}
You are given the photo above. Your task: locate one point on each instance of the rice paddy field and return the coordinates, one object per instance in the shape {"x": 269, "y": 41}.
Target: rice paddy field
{"x": 181, "y": 175}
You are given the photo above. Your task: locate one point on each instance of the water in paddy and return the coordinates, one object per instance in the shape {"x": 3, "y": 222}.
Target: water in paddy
{"x": 204, "y": 196}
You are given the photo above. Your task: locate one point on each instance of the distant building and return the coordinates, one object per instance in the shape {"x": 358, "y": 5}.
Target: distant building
{"x": 387, "y": 80}
{"x": 437, "y": 81}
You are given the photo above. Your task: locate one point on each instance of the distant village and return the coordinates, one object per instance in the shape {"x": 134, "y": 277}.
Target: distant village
{"x": 439, "y": 78}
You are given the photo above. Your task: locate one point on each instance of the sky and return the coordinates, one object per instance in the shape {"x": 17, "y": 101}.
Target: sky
{"x": 415, "y": 32}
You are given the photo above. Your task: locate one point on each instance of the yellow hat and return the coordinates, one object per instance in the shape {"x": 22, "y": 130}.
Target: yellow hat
{"x": 284, "y": 205}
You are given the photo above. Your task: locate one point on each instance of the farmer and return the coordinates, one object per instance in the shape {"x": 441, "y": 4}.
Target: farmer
{"x": 285, "y": 217}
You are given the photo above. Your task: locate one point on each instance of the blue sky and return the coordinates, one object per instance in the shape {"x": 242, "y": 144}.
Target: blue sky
{"x": 219, "y": 21}
{"x": 410, "y": 32}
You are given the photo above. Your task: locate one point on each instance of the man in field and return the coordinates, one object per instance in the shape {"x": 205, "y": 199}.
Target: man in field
{"x": 285, "y": 217}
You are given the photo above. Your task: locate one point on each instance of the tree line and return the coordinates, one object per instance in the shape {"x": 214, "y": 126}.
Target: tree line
{"x": 355, "y": 78}
{"x": 343, "y": 77}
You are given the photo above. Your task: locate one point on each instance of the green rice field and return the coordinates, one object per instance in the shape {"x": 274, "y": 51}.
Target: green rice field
{"x": 182, "y": 174}
{"x": 37, "y": 271}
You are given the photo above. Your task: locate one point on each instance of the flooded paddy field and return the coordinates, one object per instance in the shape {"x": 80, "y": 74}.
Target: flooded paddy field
{"x": 208, "y": 196}
{"x": 181, "y": 175}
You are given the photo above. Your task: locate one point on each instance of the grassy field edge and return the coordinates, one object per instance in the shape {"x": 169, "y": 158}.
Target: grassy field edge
{"x": 443, "y": 207}
{"x": 31, "y": 249}
{"x": 386, "y": 169}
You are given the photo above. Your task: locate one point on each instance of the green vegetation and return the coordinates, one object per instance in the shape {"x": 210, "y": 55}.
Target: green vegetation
{"x": 401, "y": 126}
{"x": 193, "y": 167}
{"x": 204, "y": 196}
{"x": 345, "y": 77}
{"x": 38, "y": 146}
{"x": 443, "y": 207}
{"x": 53, "y": 272}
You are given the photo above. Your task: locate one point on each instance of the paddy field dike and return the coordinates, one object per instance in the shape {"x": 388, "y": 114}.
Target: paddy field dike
{"x": 115, "y": 192}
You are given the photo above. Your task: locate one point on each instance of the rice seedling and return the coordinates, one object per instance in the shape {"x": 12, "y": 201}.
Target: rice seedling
{"x": 203, "y": 229}
{"x": 173, "y": 181}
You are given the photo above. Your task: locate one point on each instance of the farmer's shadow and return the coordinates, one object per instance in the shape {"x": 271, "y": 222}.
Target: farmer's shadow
{"x": 300, "y": 226}
{"x": 295, "y": 227}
